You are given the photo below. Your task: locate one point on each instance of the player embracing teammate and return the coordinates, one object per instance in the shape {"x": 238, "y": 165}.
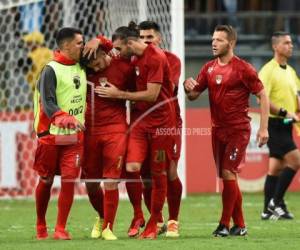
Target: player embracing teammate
{"x": 153, "y": 110}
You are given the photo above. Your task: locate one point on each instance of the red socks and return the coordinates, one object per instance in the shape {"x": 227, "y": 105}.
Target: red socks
{"x": 134, "y": 191}
{"x": 174, "y": 198}
{"x": 111, "y": 201}
{"x": 229, "y": 197}
{"x": 237, "y": 216}
{"x": 65, "y": 201}
{"x": 96, "y": 199}
{"x": 42, "y": 197}
{"x": 159, "y": 192}
{"x": 147, "y": 191}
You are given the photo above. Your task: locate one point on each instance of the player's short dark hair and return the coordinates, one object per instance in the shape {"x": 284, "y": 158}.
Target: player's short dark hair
{"x": 277, "y": 34}
{"x": 127, "y": 32}
{"x": 66, "y": 33}
{"x": 148, "y": 25}
{"x": 229, "y": 30}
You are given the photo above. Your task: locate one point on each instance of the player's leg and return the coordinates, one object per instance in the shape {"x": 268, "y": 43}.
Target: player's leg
{"x": 45, "y": 165}
{"x": 161, "y": 146}
{"x": 136, "y": 153}
{"x": 114, "y": 149}
{"x": 147, "y": 193}
{"x": 235, "y": 147}
{"x": 174, "y": 190}
{"x": 235, "y": 154}
{"x": 218, "y": 148}
{"x": 275, "y": 167}
{"x": 292, "y": 161}
{"x": 91, "y": 170}
{"x": 70, "y": 158}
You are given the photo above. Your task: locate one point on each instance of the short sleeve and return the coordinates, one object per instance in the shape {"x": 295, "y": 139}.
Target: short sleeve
{"x": 250, "y": 79}
{"x": 265, "y": 77}
{"x": 202, "y": 80}
{"x": 156, "y": 69}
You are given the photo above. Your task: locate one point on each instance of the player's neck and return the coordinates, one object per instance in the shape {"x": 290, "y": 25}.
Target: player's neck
{"x": 282, "y": 60}
{"x": 66, "y": 55}
{"x": 225, "y": 59}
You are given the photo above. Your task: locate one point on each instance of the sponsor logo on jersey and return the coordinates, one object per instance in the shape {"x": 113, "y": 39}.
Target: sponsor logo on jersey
{"x": 76, "y": 81}
{"x": 219, "y": 79}
{"x": 210, "y": 69}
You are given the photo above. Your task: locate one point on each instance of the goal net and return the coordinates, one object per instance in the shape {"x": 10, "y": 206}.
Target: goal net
{"x": 27, "y": 39}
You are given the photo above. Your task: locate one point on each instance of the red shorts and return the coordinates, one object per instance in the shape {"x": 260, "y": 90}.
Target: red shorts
{"x": 104, "y": 156}
{"x": 229, "y": 147}
{"x": 158, "y": 147}
{"x": 61, "y": 160}
{"x": 176, "y": 145}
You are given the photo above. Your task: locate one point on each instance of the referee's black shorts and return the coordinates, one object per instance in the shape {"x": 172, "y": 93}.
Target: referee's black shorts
{"x": 280, "y": 138}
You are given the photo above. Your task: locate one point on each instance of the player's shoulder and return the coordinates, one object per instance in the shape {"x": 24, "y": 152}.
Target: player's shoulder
{"x": 208, "y": 66}
{"x": 242, "y": 64}
{"x": 155, "y": 52}
{"x": 171, "y": 56}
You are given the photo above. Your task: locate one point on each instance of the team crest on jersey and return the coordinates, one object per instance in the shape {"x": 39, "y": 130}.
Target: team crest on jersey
{"x": 219, "y": 79}
{"x": 210, "y": 69}
{"x": 76, "y": 81}
{"x": 137, "y": 71}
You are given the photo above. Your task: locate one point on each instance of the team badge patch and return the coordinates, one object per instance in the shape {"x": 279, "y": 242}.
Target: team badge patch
{"x": 76, "y": 81}
{"x": 219, "y": 79}
{"x": 137, "y": 71}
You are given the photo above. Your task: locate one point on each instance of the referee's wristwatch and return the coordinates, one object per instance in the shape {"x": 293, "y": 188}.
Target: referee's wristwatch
{"x": 282, "y": 112}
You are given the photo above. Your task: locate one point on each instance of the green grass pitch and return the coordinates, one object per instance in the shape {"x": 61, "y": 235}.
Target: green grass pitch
{"x": 199, "y": 216}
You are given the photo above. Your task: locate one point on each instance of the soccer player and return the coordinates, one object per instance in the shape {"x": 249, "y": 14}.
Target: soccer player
{"x": 59, "y": 109}
{"x": 281, "y": 84}
{"x": 105, "y": 138}
{"x": 153, "y": 111}
{"x": 150, "y": 34}
{"x": 229, "y": 81}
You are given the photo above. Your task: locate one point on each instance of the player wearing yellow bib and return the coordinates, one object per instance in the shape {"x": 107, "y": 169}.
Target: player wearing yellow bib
{"x": 282, "y": 85}
{"x": 59, "y": 109}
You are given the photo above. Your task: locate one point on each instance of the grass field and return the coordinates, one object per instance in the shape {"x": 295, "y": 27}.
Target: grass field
{"x": 199, "y": 216}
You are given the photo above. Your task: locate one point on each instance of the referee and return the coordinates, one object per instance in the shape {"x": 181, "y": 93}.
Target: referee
{"x": 282, "y": 85}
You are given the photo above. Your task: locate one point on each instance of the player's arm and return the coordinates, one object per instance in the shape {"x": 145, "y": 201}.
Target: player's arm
{"x": 47, "y": 88}
{"x": 92, "y": 46}
{"x": 148, "y": 95}
{"x": 262, "y": 134}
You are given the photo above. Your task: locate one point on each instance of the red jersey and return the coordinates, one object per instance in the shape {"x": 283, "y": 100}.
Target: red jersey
{"x": 175, "y": 67}
{"x": 153, "y": 67}
{"x": 108, "y": 115}
{"x": 229, "y": 87}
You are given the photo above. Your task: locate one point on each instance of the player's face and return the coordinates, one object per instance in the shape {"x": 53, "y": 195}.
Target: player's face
{"x": 150, "y": 36}
{"x": 284, "y": 46}
{"x": 220, "y": 44}
{"x": 75, "y": 47}
{"x": 101, "y": 62}
{"x": 123, "y": 48}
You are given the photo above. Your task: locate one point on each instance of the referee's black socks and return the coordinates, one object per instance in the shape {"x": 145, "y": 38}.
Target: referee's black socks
{"x": 269, "y": 189}
{"x": 284, "y": 180}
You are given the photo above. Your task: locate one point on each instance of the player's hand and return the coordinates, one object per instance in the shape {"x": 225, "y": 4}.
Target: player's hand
{"x": 262, "y": 137}
{"x": 109, "y": 91}
{"x": 293, "y": 116}
{"x": 189, "y": 84}
{"x": 114, "y": 53}
{"x": 63, "y": 120}
{"x": 90, "y": 48}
